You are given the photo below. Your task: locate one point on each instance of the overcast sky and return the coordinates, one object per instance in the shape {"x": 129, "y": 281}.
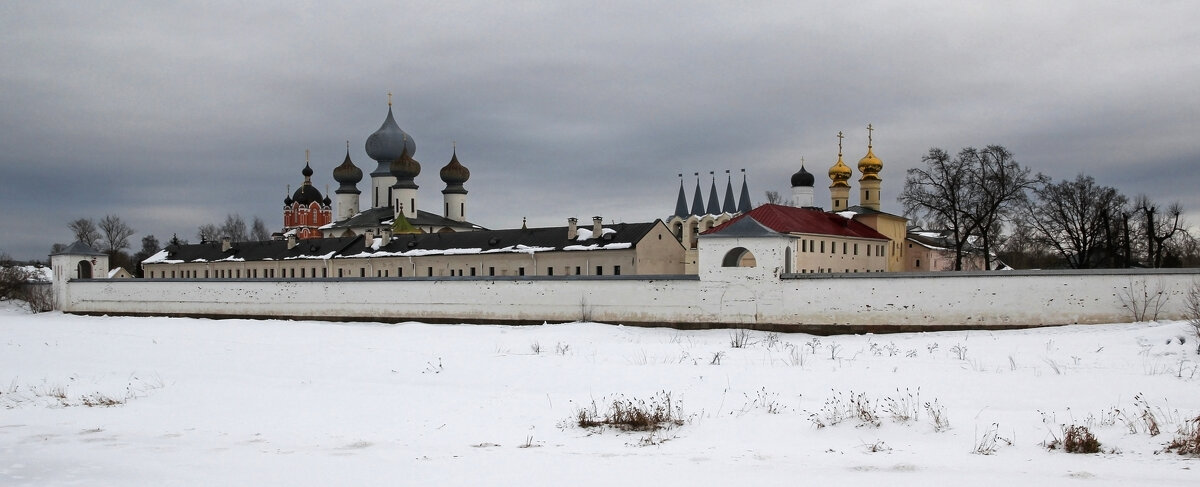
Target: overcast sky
{"x": 172, "y": 115}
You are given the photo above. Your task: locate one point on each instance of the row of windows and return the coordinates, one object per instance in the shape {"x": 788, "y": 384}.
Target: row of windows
{"x": 811, "y": 245}
{"x": 822, "y": 270}
{"x": 312, "y": 272}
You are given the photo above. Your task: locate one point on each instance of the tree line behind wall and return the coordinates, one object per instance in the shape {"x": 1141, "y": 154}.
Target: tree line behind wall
{"x": 111, "y": 235}
{"x": 994, "y": 207}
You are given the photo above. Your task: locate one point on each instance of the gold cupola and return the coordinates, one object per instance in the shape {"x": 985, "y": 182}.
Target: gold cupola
{"x": 869, "y": 165}
{"x": 840, "y": 173}
{"x": 839, "y": 189}
{"x": 870, "y": 182}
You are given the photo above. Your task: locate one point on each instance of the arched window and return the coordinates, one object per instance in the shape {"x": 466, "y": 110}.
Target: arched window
{"x": 738, "y": 257}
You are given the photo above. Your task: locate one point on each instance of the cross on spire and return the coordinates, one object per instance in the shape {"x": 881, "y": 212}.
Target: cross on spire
{"x": 840, "y": 136}
{"x": 870, "y": 129}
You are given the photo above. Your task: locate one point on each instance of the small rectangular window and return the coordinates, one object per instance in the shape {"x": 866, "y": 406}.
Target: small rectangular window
{"x": 577, "y": 270}
{"x": 599, "y": 270}
{"x": 822, "y": 246}
{"x": 843, "y": 248}
{"x": 520, "y": 271}
{"x": 362, "y": 272}
{"x": 340, "y": 274}
{"x": 472, "y": 271}
{"x": 430, "y": 271}
{"x": 855, "y": 249}
{"x": 616, "y": 270}
{"x": 491, "y": 271}
{"x": 549, "y": 271}
{"x": 302, "y": 272}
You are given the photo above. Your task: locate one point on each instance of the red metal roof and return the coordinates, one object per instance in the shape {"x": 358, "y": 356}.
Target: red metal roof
{"x": 789, "y": 219}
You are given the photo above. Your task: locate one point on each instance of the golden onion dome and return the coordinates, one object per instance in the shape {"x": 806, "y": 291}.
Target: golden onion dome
{"x": 870, "y": 165}
{"x": 840, "y": 173}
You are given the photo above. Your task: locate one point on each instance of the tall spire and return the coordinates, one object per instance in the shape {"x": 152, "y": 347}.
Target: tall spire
{"x": 714, "y": 201}
{"x": 729, "y": 206}
{"x": 681, "y": 209}
{"x": 698, "y": 199}
{"x": 744, "y": 204}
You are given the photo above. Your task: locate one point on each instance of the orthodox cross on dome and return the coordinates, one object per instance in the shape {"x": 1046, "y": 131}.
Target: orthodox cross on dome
{"x": 840, "y": 136}
{"x": 870, "y": 129}
{"x": 801, "y": 162}
{"x": 389, "y": 98}
{"x": 347, "y": 146}
{"x": 305, "y": 157}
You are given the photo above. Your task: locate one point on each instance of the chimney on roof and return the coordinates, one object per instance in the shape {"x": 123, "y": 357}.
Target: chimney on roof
{"x": 226, "y": 244}
{"x": 597, "y": 227}
{"x": 369, "y": 238}
{"x": 291, "y": 241}
{"x": 572, "y": 228}
{"x": 386, "y": 236}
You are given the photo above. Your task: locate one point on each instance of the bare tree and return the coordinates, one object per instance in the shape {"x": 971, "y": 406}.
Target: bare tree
{"x": 116, "y": 233}
{"x": 1072, "y": 217}
{"x": 1156, "y": 228}
{"x": 234, "y": 227}
{"x": 998, "y": 185}
{"x": 208, "y": 233}
{"x": 85, "y": 231}
{"x": 941, "y": 193}
{"x": 258, "y": 231}
{"x": 773, "y": 198}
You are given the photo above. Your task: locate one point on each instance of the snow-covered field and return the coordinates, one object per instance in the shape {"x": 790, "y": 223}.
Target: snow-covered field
{"x": 241, "y": 402}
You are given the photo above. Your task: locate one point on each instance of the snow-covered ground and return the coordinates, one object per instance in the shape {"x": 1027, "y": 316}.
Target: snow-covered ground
{"x": 240, "y": 402}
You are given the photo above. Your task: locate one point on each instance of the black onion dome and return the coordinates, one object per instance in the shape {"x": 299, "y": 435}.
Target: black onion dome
{"x": 405, "y": 168}
{"x": 455, "y": 173}
{"x": 307, "y": 171}
{"x": 389, "y": 142}
{"x": 307, "y": 194}
{"x": 347, "y": 174}
{"x": 327, "y": 201}
{"x": 803, "y": 178}
{"x": 287, "y": 201}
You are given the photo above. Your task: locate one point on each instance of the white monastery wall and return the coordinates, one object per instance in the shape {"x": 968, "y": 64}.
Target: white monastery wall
{"x": 743, "y": 297}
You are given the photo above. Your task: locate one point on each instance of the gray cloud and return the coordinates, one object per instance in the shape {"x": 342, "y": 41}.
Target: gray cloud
{"x": 174, "y": 115}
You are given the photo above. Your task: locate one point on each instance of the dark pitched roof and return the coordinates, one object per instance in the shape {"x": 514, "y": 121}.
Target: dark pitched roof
{"x": 259, "y": 250}
{"x": 544, "y": 239}
{"x": 622, "y": 235}
{"x": 862, "y": 210}
{"x": 788, "y": 219}
{"x": 375, "y": 217}
{"x": 79, "y": 248}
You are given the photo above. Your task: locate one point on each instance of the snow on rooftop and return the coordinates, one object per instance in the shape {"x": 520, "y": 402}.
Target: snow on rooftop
{"x": 161, "y": 258}
{"x": 586, "y": 233}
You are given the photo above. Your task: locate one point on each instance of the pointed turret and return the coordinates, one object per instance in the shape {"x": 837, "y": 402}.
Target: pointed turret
{"x": 729, "y": 206}
{"x": 698, "y": 199}
{"x": 681, "y": 208}
{"x": 744, "y": 204}
{"x": 714, "y": 201}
